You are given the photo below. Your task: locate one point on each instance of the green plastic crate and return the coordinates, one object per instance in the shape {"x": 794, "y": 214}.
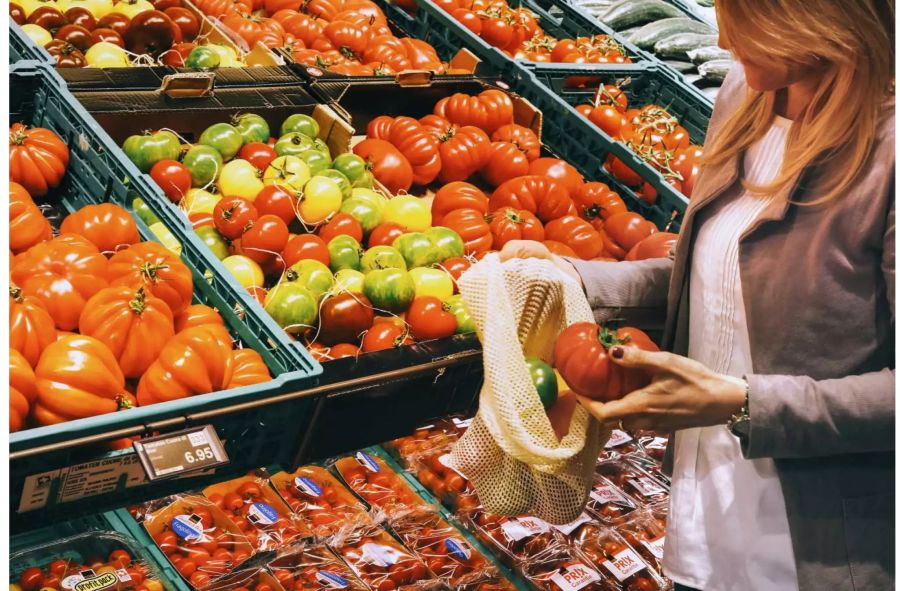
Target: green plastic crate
{"x": 22, "y": 48}
{"x": 99, "y": 173}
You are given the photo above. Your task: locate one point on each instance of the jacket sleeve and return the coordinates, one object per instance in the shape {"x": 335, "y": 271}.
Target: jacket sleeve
{"x": 629, "y": 289}
{"x": 796, "y": 416}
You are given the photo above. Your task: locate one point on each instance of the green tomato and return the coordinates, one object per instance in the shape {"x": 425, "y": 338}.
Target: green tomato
{"x": 287, "y": 172}
{"x": 214, "y": 241}
{"x": 348, "y": 281}
{"x": 412, "y": 213}
{"x": 456, "y": 306}
{"x": 344, "y": 252}
{"x": 199, "y": 201}
{"x": 143, "y": 211}
{"x": 316, "y": 160}
{"x": 351, "y": 166}
{"x": 239, "y": 178}
{"x": 366, "y": 181}
{"x": 544, "y": 379}
{"x": 382, "y": 257}
{"x": 293, "y": 144}
{"x": 225, "y": 138}
{"x": 148, "y": 149}
{"x": 227, "y": 55}
{"x": 300, "y": 123}
{"x": 204, "y": 163}
{"x": 417, "y": 249}
{"x": 432, "y": 282}
{"x": 321, "y": 199}
{"x": 311, "y": 274}
{"x": 252, "y": 128}
{"x": 372, "y": 196}
{"x": 364, "y": 211}
{"x": 247, "y": 272}
{"x": 389, "y": 289}
{"x": 448, "y": 243}
{"x": 321, "y": 146}
{"x": 203, "y": 58}
{"x": 340, "y": 179}
{"x": 292, "y": 306}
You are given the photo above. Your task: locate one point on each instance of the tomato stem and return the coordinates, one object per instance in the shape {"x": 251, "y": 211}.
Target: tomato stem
{"x": 15, "y": 292}
{"x": 139, "y": 302}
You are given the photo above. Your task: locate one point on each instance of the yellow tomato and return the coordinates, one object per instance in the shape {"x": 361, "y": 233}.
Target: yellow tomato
{"x": 106, "y": 55}
{"x": 245, "y": 270}
{"x": 288, "y": 172}
{"x": 153, "y": 585}
{"x": 348, "y": 281}
{"x": 228, "y": 57}
{"x": 376, "y": 198}
{"x": 38, "y": 34}
{"x": 432, "y": 282}
{"x": 239, "y": 178}
{"x": 321, "y": 199}
{"x": 132, "y": 8}
{"x": 408, "y": 211}
{"x": 199, "y": 201}
{"x": 98, "y": 8}
{"x": 30, "y": 6}
{"x": 165, "y": 237}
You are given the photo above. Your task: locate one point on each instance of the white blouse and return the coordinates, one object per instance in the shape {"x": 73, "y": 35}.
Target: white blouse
{"x": 728, "y": 529}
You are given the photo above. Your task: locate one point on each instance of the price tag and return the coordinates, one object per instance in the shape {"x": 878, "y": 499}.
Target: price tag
{"x": 574, "y": 577}
{"x": 524, "y": 527}
{"x": 617, "y": 438}
{"x": 174, "y": 454}
{"x": 624, "y": 564}
{"x": 568, "y": 528}
{"x": 646, "y": 486}
{"x": 655, "y": 546}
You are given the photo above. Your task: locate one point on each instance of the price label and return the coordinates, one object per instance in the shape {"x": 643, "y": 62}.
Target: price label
{"x": 174, "y": 454}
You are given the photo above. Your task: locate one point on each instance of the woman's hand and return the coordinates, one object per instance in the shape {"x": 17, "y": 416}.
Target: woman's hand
{"x": 531, "y": 249}
{"x": 682, "y": 394}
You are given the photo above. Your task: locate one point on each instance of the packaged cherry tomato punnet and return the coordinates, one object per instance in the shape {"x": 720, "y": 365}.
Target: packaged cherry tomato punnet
{"x": 306, "y": 567}
{"x": 559, "y": 568}
{"x": 646, "y": 534}
{"x": 432, "y": 468}
{"x": 621, "y": 567}
{"x": 444, "y": 550}
{"x": 514, "y": 539}
{"x": 90, "y": 561}
{"x": 609, "y": 503}
{"x": 634, "y": 481}
{"x": 382, "y": 563}
{"x": 258, "y": 511}
{"x": 511, "y": 452}
{"x": 321, "y": 501}
{"x": 197, "y": 537}
{"x": 254, "y": 579}
{"x": 441, "y": 433}
{"x": 373, "y": 480}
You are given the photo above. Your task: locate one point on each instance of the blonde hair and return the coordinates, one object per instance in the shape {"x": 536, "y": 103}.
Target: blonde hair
{"x": 852, "y": 41}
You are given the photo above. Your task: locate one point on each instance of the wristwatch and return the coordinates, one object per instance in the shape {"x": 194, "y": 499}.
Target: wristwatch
{"x": 739, "y": 423}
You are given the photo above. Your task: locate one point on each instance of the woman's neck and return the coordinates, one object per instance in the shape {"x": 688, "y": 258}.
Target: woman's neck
{"x": 792, "y": 101}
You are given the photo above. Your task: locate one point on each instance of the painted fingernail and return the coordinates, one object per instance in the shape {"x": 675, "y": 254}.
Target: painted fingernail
{"x": 618, "y": 352}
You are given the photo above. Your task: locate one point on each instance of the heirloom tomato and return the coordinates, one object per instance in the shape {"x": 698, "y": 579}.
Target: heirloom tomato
{"x": 148, "y": 149}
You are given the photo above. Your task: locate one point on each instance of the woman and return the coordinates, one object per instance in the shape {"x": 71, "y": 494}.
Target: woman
{"x": 779, "y": 312}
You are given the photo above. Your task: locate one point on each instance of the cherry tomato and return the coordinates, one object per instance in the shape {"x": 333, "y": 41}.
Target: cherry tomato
{"x": 58, "y": 567}
{"x": 249, "y": 490}
{"x": 31, "y": 579}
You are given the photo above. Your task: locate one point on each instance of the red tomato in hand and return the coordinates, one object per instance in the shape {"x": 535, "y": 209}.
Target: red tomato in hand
{"x": 581, "y": 356}
{"x": 429, "y": 320}
{"x": 173, "y": 178}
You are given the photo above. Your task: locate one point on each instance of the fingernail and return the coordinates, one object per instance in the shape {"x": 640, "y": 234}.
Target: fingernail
{"x": 618, "y": 352}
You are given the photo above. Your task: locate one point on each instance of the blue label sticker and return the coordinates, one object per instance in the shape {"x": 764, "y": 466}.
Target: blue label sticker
{"x": 368, "y": 461}
{"x": 458, "y": 549}
{"x": 308, "y": 486}
{"x": 187, "y": 527}
{"x": 262, "y": 514}
{"x": 331, "y": 580}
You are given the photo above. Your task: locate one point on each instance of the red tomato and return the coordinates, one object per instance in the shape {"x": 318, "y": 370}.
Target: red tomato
{"x": 385, "y": 335}
{"x": 273, "y": 199}
{"x": 386, "y": 162}
{"x": 654, "y": 246}
{"x": 385, "y": 234}
{"x": 265, "y": 238}
{"x": 249, "y": 490}
{"x": 497, "y": 32}
{"x": 628, "y": 228}
{"x": 232, "y": 215}
{"x": 342, "y": 223}
{"x": 559, "y": 170}
{"x": 120, "y": 558}
{"x": 456, "y": 266}
{"x": 505, "y": 162}
{"x": 59, "y": 567}
{"x": 258, "y": 154}
{"x": 428, "y": 320}
{"x": 306, "y": 246}
{"x": 173, "y": 178}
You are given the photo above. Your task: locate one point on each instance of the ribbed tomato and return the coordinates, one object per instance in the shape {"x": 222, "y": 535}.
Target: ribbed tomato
{"x": 22, "y": 390}
{"x": 134, "y": 324}
{"x": 27, "y": 224}
{"x": 197, "y": 315}
{"x": 303, "y": 27}
{"x": 560, "y": 249}
{"x": 414, "y": 141}
{"x": 63, "y": 274}
{"x": 505, "y": 162}
{"x": 596, "y": 200}
{"x": 464, "y": 150}
{"x": 559, "y": 170}
{"x": 248, "y": 368}
{"x": 421, "y": 55}
{"x": 546, "y": 198}
{"x": 195, "y": 361}
{"x": 387, "y": 49}
{"x": 628, "y": 228}
{"x": 31, "y": 328}
{"x": 472, "y": 227}
{"x": 654, "y": 246}
{"x": 107, "y": 226}
{"x": 161, "y": 271}
{"x": 489, "y": 110}
{"x": 78, "y": 377}
{"x": 38, "y": 158}
{"x": 577, "y": 234}
{"x": 581, "y": 355}
{"x": 457, "y": 195}
{"x": 514, "y": 224}
{"x": 522, "y": 137}
{"x": 389, "y": 166}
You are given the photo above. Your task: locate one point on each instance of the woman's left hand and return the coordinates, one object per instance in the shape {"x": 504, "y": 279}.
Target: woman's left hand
{"x": 682, "y": 394}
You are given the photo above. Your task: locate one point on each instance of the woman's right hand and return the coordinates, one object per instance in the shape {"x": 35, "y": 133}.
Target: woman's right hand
{"x": 531, "y": 249}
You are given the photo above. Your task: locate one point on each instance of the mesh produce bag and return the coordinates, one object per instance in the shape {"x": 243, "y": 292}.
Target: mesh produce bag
{"x": 511, "y": 453}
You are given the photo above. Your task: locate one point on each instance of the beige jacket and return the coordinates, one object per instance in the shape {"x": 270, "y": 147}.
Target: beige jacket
{"x": 818, "y": 287}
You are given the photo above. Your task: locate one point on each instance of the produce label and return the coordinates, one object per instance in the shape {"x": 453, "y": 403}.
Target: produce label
{"x": 380, "y": 555}
{"x": 570, "y": 527}
{"x": 187, "y": 527}
{"x": 524, "y": 527}
{"x": 308, "y": 486}
{"x": 331, "y": 580}
{"x": 89, "y": 581}
{"x": 72, "y": 580}
{"x": 618, "y": 438}
{"x": 458, "y": 549}
{"x": 575, "y": 577}
{"x": 646, "y": 486}
{"x": 624, "y": 564}
{"x": 655, "y": 546}
{"x": 262, "y": 514}
{"x": 606, "y": 493}
{"x": 367, "y": 461}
